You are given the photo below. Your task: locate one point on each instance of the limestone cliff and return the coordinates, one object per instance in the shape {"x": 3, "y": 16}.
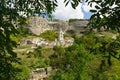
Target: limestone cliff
{"x": 79, "y": 25}
{"x": 57, "y": 25}
{"x": 38, "y": 25}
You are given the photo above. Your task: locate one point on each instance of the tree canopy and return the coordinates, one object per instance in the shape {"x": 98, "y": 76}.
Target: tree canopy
{"x": 106, "y": 14}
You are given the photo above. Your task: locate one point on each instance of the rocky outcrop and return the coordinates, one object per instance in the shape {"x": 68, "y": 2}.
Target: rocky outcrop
{"x": 40, "y": 73}
{"x": 38, "y": 25}
{"x": 57, "y": 25}
{"x": 79, "y": 25}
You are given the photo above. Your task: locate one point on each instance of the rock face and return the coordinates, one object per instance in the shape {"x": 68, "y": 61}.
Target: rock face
{"x": 57, "y": 25}
{"x": 40, "y": 73}
{"x": 38, "y": 25}
{"x": 79, "y": 26}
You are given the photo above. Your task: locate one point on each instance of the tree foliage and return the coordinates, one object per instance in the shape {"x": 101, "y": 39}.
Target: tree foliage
{"x": 49, "y": 35}
{"x": 106, "y": 14}
{"x": 89, "y": 58}
{"x": 14, "y": 12}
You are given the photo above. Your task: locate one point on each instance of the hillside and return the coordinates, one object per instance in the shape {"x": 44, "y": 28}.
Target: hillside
{"x": 38, "y": 25}
{"x": 55, "y": 55}
{"x": 59, "y": 62}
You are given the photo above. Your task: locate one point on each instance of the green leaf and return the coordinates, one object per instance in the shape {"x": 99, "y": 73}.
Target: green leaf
{"x": 93, "y": 11}
{"x": 73, "y": 5}
{"x": 97, "y": 7}
{"x": 66, "y": 3}
{"x": 112, "y": 2}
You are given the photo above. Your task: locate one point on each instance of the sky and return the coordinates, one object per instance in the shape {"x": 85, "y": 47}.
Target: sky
{"x": 66, "y": 13}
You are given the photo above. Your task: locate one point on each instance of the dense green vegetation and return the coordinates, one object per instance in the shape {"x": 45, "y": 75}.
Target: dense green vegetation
{"x": 30, "y": 61}
{"x": 91, "y": 57}
{"x": 108, "y": 49}
{"x": 72, "y": 20}
{"x": 23, "y": 32}
{"x": 49, "y": 35}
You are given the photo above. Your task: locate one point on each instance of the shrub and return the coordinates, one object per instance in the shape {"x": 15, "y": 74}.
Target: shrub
{"x": 71, "y": 32}
{"x": 23, "y": 73}
{"x": 49, "y": 35}
{"x": 23, "y": 30}
{"x": 72, "y": 20}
